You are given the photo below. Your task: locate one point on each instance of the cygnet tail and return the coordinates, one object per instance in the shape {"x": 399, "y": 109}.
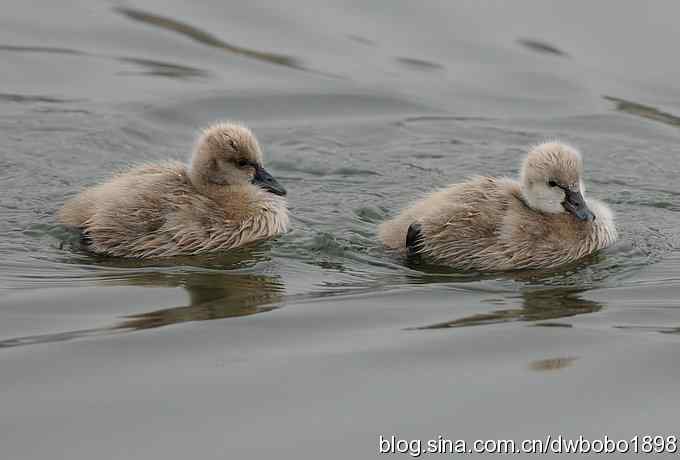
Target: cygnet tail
{"x": 414, "y": 239}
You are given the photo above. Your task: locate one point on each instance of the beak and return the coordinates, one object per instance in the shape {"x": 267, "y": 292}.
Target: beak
{"x": 265, "y": 180}
{"x": 576, "y": 204}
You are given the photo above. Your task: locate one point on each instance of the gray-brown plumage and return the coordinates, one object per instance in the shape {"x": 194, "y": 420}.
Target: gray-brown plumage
{"x": 222, "y": 200}
{"x": 489, "y": 224}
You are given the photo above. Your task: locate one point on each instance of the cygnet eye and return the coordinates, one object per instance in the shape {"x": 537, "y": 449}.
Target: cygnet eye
{"x": 552, "y": 183}
{"x": 242, "y": 163}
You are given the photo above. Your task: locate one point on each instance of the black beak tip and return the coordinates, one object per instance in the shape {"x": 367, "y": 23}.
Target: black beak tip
{"x": 583, "y": 214}
{"x": 576, "y": 205}
{"x": 265, "y": 180}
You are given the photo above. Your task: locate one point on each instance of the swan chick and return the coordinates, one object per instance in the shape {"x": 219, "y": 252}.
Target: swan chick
{"x": 542, "y": 220}
{"x": 222, "y": 200}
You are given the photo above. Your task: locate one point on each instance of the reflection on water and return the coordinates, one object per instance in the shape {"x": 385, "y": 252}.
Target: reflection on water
{"x": 538, "y": 305}
{"x": 211, "y": 296}
{"x": 216, "y": 298}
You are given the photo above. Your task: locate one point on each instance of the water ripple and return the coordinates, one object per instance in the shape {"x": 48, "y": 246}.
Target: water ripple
{"x": 208, "y": 39}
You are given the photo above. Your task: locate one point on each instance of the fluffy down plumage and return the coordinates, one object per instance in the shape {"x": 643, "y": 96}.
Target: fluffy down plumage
{"x": 169, "y": 209}
{"x": 490, "y": 224}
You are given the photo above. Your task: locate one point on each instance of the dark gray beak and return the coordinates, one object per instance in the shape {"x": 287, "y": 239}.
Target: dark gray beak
{"x": 265, "y": 180}
{"x": 576, "y": 204}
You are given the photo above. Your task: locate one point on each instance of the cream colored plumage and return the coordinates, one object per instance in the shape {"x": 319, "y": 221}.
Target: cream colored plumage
{"x": 223, "y": 200}
{"x": 489, "y": 224}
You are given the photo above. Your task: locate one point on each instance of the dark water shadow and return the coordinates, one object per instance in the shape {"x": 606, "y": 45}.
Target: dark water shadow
{"x": 661, "y": 329}
{"x": 163, "y": 69}
{"x": 644, "y": 111}
{"x": 361, "y": 39}
{"x": 539, "y": 46}
{"x": 150, "y": 67}
{"x": 538, "y": 305}
{"x": 552, "y": 364}
{"x": 41, "y": 49}
{"x": 419, "y": 64}
{"x": 431, "y": 118}
{"x": 32, "y": 99}
{"x": 209, "y": 39}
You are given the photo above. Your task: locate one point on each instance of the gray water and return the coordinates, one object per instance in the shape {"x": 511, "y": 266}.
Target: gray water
{"x": 315, "y": 344}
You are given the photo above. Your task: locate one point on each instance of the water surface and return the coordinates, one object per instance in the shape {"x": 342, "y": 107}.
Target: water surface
{"x": 316, "y": 343}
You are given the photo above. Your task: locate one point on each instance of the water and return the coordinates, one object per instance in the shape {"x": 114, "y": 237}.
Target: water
{"x": 318, "y": 342}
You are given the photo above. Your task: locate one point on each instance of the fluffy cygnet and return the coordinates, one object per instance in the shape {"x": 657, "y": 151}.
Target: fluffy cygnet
{"x": 489, "y": 224}
{"x": 223, "y": 200}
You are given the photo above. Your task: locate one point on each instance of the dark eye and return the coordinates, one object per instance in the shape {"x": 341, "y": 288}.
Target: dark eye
{"x": 552, "y": 183}
{"x": 242, "y": 163}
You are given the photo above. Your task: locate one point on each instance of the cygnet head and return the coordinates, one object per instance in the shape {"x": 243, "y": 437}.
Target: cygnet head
{"x": 228, "y": 155}
{"x": 551, "y": 180}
